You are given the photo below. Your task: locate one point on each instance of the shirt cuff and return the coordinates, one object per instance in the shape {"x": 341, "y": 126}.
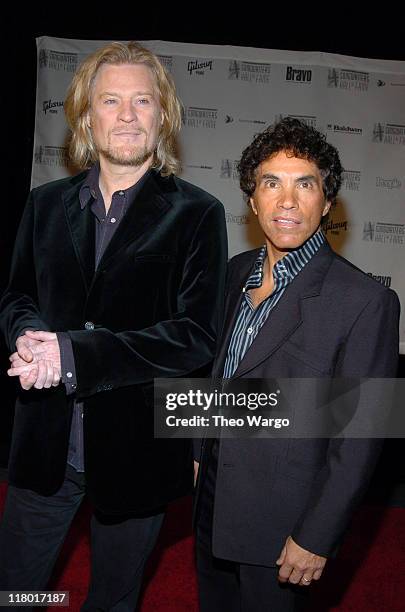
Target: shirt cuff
{"x": 67, "y": 362}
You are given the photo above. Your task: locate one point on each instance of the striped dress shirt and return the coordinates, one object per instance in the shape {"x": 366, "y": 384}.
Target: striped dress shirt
{"x": 250, "y": 320}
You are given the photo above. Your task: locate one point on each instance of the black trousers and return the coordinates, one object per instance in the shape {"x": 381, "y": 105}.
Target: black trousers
{"x": 230, "y": 586}
{"x": 238, "y": 587}
{"x": 32, "y": 531}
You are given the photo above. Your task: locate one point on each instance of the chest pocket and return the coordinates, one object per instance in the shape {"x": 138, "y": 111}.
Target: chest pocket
{"x": 308, "y": 361}
{"x": 155, "y": 258}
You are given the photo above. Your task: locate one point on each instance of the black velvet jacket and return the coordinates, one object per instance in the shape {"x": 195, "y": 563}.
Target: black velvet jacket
{"x": 154, "y": 301}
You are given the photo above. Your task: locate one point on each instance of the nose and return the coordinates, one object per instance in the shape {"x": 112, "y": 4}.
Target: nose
{"x": 127, "y": 112}
{"x": 288, "y": 199}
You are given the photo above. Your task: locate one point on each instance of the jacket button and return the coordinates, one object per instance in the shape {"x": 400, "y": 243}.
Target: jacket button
{"x": 89, "y": 325}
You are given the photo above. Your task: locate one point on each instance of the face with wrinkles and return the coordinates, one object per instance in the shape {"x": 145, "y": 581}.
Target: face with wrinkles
{"x": 289, "y": 202}
{"x": 125, "y": 115}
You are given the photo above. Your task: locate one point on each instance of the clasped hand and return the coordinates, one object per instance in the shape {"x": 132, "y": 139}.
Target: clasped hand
{"x": 37, "y": 360}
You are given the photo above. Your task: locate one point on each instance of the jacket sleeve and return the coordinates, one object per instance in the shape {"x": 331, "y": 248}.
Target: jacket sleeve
{"x": 370, "y": 351}
{"x": 19, "y": 309}
{"x": 105, "y": 360}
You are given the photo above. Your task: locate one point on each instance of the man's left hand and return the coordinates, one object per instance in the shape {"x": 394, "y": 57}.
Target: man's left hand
{"x": 298, "y": 565}
{"x": 45, "y": 367}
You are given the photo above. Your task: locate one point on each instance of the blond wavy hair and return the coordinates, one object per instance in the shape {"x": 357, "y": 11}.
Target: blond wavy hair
{"x": 82, "y": 150}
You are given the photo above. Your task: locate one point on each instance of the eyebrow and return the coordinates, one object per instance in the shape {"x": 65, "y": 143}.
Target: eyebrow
{"x": 307, "y": 177}
{"x": 137, "y": 93}
{"x": 274, "y": 177}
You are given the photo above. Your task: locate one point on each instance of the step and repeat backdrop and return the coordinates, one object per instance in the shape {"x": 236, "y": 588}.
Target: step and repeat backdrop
{"x": 231, "y": 93}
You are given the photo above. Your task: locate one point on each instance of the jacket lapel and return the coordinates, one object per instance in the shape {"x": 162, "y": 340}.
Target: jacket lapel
{"x": 81, "y": 224}
{"x": 233, "y": 299}
{"x": 149, "y": 206}
{"x": 282, "y": 321}
{"x": 286, "y": 316}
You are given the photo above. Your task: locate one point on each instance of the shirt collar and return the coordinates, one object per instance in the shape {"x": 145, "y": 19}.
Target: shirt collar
{"x": 287, "y": 268}
{"x": 90, "y": 189}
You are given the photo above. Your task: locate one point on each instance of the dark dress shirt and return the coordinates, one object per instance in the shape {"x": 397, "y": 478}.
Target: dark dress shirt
{"x": 106, "y": 224}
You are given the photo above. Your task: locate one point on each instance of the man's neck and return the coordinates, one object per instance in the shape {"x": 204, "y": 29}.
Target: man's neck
{"x": 273, "y": 256}
{"x": 116, "y": 178}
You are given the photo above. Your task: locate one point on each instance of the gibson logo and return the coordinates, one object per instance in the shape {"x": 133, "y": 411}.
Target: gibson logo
{"x": 50, "y": 106}
{"x": 199, "y": 67}
{"x": 334, "y": 227}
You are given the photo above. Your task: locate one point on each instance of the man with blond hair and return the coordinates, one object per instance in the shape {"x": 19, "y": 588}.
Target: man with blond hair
{"x": 116, "y": 280}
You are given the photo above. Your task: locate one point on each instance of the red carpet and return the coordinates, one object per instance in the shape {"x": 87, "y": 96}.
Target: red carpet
{"x": 368, "y": 575}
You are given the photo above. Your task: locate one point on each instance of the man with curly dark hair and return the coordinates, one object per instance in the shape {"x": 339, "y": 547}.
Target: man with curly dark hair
{"x": 269, "y": 512}
{"x": 299, "y": 140}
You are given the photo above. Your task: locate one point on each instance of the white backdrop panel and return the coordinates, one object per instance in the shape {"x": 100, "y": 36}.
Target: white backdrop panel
{"x": 231, "y": 93}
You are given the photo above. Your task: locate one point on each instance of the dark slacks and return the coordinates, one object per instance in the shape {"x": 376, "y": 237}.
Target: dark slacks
{"x": 230, "y": 586}
{"x": 238, "y": 587}
{"x": 32, "y": 531}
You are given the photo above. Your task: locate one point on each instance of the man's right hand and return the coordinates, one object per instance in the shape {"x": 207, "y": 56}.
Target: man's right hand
{"x": 23, "y": 345}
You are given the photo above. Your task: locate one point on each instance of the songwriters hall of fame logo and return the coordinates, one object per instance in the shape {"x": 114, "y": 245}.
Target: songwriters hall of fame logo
{"x": 199, "y": 117}
{"x": 348, "y": 79}
{"x": 251, "y": 72}
{"x": 51, "y": 156}
{"x": 351, "y": 180}
{"x": 166, "y": 61}
{"x": 384, "y": 233}
{"x": 368, "y": 231}
{"x": 229, "y": 169}
{"x": 58, "y": 60}
{"x": 389, "y": 133}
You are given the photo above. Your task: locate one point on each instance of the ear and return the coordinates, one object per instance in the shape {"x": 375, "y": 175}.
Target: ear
{"x": 253, "y": 205}
{"x": 326, "y": 208}
{"x": 88, "y": 119}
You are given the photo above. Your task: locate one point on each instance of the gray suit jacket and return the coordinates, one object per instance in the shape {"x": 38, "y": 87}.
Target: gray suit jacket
{"x": 332, "y": 321}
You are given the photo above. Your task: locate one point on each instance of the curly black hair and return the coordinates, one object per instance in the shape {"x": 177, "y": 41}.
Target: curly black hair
{"x": 299, "y": 139}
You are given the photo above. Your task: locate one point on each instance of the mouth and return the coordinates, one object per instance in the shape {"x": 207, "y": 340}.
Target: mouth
{"x": 286, "y": 221}
{"x": 127, "y": 134}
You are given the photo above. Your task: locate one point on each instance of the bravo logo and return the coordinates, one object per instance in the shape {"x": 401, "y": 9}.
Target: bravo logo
{"x": 298, "y": 75}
